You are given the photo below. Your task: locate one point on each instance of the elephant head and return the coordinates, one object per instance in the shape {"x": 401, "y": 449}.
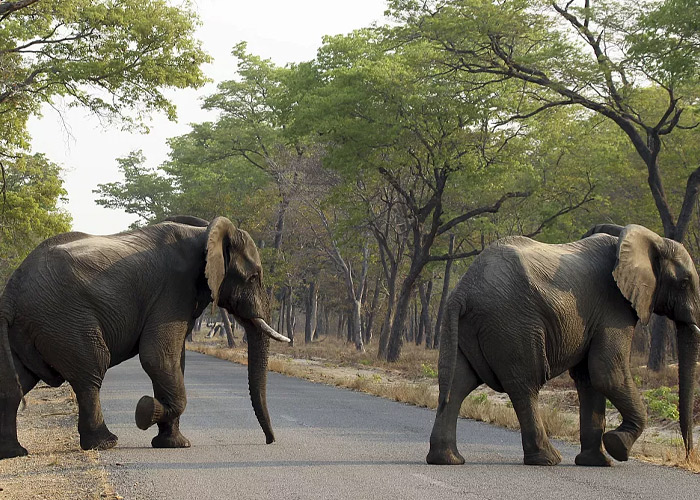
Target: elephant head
{"x": 235, "y": 278}
{"x": 658, "y": 275}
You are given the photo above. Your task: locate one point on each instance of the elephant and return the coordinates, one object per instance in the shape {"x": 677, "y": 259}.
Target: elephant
{"x": 525, "y": 312}
{"x": 80, "y": 304}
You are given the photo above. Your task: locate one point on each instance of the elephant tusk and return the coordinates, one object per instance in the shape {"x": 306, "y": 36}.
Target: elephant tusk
{"x": 695, "y": 328}
{"x": 268, "y": 330}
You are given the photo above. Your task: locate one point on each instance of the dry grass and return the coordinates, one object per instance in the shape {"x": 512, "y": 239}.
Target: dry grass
{"x": 412, "y": 380}
{"x": 56, "y": 467}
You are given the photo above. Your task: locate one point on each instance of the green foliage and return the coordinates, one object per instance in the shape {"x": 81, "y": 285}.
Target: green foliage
{"x": 111, "y": 57}
{"x": 662, "y": 402}
{"x": 30, "y": 211}
{"x": 143, "y": 191}
{"x": 428, "y": 370}
{"x": 668, "y": 41}
{"x": 634, "y": 64}
{"x": 481, "y": 398}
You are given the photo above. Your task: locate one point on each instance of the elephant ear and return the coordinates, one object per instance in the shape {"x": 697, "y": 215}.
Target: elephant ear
{"x": 222, "y": 241}
{"x": 637, "y": 255}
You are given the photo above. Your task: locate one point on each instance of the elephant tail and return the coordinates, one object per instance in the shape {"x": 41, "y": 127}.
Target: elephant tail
{"x": 10, "y": 387}
{"x": 449, "y": 350}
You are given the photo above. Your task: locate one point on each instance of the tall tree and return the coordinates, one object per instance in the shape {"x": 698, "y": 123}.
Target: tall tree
{"x": 29, "y": 208}
{"x": 433, "y": 141}
{"x": 601, "y": 55}
{"x": 113, "y": 58}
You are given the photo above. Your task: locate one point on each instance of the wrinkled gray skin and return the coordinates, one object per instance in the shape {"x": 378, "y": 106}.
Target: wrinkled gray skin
{"x": 526, "y": 311}
{"x": 80, "y": 304}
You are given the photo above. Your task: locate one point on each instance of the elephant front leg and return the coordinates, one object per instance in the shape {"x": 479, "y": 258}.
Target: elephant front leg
{"x": 168, "y": 404}
{"x": 592, "y": 424}
{"x": 615, "y": 381}
{"x": 536, "y": 446}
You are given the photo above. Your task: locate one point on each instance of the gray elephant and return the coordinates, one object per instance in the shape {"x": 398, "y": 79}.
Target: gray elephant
{"x": 526, "y": 311}
{"x": 80, "y": 304}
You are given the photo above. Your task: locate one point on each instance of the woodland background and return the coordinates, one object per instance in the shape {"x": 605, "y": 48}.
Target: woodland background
{"x": 371, "y": 176}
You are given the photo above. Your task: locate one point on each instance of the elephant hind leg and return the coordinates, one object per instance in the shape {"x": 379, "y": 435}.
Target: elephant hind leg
{"x": 536, "y": 446}
{"x": 94, "y": 434}
{"x": 90, "y": 359}
{"x": 10, "y": 397}
{"x": 443, "y": 439}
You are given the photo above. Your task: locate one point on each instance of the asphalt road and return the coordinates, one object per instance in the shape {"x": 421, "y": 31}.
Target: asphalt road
{"x": 334, "y": 443}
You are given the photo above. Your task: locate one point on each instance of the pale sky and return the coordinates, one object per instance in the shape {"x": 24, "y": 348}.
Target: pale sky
{"x": 282, "y": 30}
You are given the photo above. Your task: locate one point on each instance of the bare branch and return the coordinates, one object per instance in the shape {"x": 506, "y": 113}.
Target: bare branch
{"x": 488, "y": 209}
{"x": 587, "y": 197}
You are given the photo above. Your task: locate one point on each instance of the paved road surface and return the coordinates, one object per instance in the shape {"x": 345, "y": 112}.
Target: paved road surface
{"x": 336, "y": 444}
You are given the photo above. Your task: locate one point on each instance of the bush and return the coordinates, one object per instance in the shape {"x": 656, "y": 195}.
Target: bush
{"x": 662, "y": 402}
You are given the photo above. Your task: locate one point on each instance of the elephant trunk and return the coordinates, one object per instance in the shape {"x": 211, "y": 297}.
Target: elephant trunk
{"x": 258, "y": 348}
{"x": 688, "y": 347}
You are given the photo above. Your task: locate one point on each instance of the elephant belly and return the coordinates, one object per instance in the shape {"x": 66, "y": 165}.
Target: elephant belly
{"x": 32, "y": 359}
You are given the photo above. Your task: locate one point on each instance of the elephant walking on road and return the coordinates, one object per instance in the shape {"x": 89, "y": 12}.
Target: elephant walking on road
{"x": 80, "y": 304}
{"x": 526, "y": 311}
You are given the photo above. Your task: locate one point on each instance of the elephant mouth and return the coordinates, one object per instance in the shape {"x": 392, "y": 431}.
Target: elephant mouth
{"x": 262, "y": 326}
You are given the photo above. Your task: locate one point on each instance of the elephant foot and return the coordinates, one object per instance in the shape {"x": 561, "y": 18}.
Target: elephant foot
{"x": 12, "y": 450}
{"x": 175, "y": 440}
{"x": 148, "y": 412}
{"x": 543, "y": 457}
{"x": 444, "y": 456}
{"x": 618, "y": 445}
{"x": 101, "y": 439}
{"x": 594, "y": 458}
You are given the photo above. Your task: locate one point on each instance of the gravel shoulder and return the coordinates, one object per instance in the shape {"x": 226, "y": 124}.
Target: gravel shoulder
{"x": 56, "y": 468}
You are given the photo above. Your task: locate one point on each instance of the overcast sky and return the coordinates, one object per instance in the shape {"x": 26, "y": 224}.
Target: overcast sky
{"x": 282, "y": 30}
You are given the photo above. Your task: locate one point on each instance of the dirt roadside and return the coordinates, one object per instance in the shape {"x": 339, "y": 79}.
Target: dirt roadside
{"x": 56, "y": 468}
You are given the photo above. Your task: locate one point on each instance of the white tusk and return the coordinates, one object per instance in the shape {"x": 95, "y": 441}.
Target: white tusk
{"x": 261, "y": 325}
{"x": 695, "y": 327}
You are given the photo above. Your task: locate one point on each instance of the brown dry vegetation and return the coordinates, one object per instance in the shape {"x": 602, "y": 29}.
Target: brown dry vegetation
{"x": 413, "y": 380}
{"x": 56, "y": 468}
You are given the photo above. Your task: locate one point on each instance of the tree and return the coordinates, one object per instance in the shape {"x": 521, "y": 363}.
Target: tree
{"x": 602, "y": 56}
{"x": 143, "y": 191}
{"x": 29, "y": 209}
{"x": 113, "y": 58}
{"x": 434, "y": 141}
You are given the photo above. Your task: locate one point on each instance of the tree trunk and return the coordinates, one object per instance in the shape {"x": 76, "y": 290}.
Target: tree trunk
{"x": 349, "y": 334}
{"x": 418, "y": 317}
{"x": 658, "y": 353}
{"x": 227, "y": 327}
{"x": 341, "y": 325}
{"x": 398, "y": 326}
{"x": 425, "y": 297}
{"x": 373, "y": 311}
{"x": 311, "y": 308}
{"x": 445, "y": 294}
{"x": 357, "y": 326}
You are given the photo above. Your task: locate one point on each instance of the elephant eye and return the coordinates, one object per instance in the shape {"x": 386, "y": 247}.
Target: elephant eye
{"x": 253, "y": 277}
{"x": 685, "y": 283}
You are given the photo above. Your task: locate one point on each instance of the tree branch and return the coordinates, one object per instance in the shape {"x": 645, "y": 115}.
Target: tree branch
{"x": 7, "y": 8}
{"x": 488, "y": 209}
{"x": 586, "y": 198}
